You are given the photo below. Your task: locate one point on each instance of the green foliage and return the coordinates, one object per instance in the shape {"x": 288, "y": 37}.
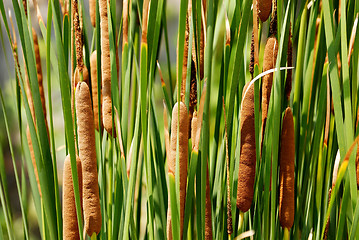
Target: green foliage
{"x": 136, "y": 191}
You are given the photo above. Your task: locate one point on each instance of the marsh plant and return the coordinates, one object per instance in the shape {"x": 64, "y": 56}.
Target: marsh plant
{"x": 244, "y": 126}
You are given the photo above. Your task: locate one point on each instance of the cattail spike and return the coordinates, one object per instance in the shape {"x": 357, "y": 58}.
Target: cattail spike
{"x": 70, "y": 225}
{"x": 106, "y": 69}
{"x": 182, "y": 123}
{"x": 78, "y": 35}
{"x": 92, "y": 6}
{"x": 269, "y": 61}
{"x": 208, "y": 211}
{"x": 32, "y": 155}
{"x": 229, "y": 205}
{"x": 286, "y": 173}
{"x": 247, "y": 164}
{"x": 288, "y": 82}
{"x": 273, "y": 22}
{"x": 251, "y": 61}
{"x": 265, "y": 8}
{"x": 87, "y": 152}
{"x": 94, "y": 86}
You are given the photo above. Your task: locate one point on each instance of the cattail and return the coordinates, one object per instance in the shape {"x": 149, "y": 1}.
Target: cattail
{"x": 251, "y": 58}
{"x": 70, "y": 225}
{"x": 32, "y": 155}
{"x": 39, "y": 71}
{"x": 286, "y": 173}
{"x": 208, "y": 235}
{"x": 105, "y": 69}
{"x": 78, "y": 36}
{"x": 288, "y": 82}
{"x": 229, "y": 206}
{"x": 93, "y": 68}
{"x": 247, "y": 164}
{"x": 92, "y": 4}
{"x": 192, "y": 96}
{"x": 87, "y": 152}
{"x": 265, "y": 8}
{"x": 269, "y": 61}
{"x": 182, "y": 155}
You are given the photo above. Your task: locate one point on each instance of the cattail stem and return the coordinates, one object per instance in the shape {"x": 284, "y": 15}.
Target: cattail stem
{"x": 286, "y": 234}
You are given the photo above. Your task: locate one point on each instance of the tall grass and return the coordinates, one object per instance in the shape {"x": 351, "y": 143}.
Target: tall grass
{"x": 135, "y": 187}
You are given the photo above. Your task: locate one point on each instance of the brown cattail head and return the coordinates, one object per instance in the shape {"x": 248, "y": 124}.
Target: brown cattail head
{"x": 251, "y": 60}
{"x": 39, "y": 71}
{"x": 32, "y": 154}
{"x": 273, "y": 21}
{"x": 182, "y": 122}
{"x": 78, "y": 35}
{"x": 87, "y": 152}
{"x": 265, "y": 8}
{"x": 269, "y": 61}
{"x": 208, "y": 235}
{"x": 229, "y": 206}
{"x": 201, "y": 49}
{"x": 29, "y": 96}
{"x": 192, "y": 96}
{"x": 185, "y": 54}
{"x": 288, "y": 82}
{"x": 247, "y": 164}
{"x": 70, "y": 225}
{"x": 286, "y": 173}
{"x": 105, "y": 69}
{"x": 94, "y": 86}
{"x": 92, "y": 4}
